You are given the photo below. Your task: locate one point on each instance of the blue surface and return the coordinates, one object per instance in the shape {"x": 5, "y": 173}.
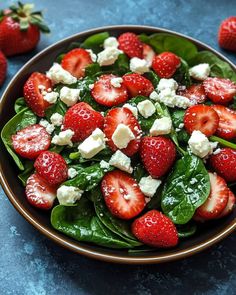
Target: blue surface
{"x": 30, "y": 263}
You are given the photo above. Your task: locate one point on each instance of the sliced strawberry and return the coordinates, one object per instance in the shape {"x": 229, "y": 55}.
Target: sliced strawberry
{"x": 31, "y": 141}
{"x": 227, "y": 33}
{"x": 122, "y": 116}
{"x": 137, "y": 85}
{"x": 75, "y": 62}
{"x": 219, "y": 90}
{"x": 195, "y": 93}
{"x": 39, "y": 193}
{"x": 131, "y": 45}
{"x": 106, "y": 94}
{"x": 230, "y": 205}
{"x": 202, "y": 118}
{"x": 33, "y": 93}
{"x": 227, "y": 123}
{"x": 122, "y": 195}
{"x": 165, "y": 64}
{"x": 217, "y": 200}
{"x": 148, "y": 54}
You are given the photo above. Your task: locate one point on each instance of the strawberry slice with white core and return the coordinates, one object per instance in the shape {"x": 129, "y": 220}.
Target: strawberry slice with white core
{"x": 122, "y": 195}
{"x": 106, "y": 94}
{"x": 195, "y": 93}
{"x": 31, "y": 141}
{"x": 148, "y": 54}
{"x": 217, "y": 200}
{"x": 230, "y": 205}
{"x": 75, "y": 62}
{"x": 39, "y": 193}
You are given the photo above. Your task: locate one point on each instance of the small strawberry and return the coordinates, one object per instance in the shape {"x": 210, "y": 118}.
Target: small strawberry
{"x": 33, "y": 93}
{"x": 83, "y": 120}
{"x": 158, "y": 155}
{"x": 227, "y": 123}
{"x": 137, "y": 85}
{"x": 148, "y": 54}
{"x": 122, "y": 195}
{"x": 165, "y": 64}
{"x": 195, "y": 93}
{"x": 106, "y": 94}
{"x": 3, "y": 68}
{"x": 31, "y": 141}
{"x": 227, "y": 34}
{"x": 201, "y": 117}
{"x": 122, "y": 116}
{"x": 75, "y": 62}
{"x": 39, "y": 193}
{"x": 219, "y": 90}
{"x": 131, "y": 45}
{"x": 20, "y": 29}
{"x": 217, "y": 200}
{"x": 230, "y": 205}
{"x": 224, "y": 163}
{"x": 51, "y": 167}
{"x": 156, "y": 230}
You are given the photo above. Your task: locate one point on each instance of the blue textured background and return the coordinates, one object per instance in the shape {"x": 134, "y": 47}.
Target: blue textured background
{"x": 30, "y": 263}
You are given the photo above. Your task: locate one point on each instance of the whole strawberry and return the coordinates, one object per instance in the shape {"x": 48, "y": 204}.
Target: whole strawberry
{"x": 3, "y": 68}
{"x": 20, "y": 29}
{"x": 155, "y": 229}
{"x": 227, "y": 34}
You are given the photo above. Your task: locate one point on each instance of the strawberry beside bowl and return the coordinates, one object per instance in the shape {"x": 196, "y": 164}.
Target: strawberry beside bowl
{"x": 209, "y": 234}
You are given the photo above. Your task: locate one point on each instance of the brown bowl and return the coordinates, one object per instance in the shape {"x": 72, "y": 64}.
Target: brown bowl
{"x": 40, "y": 220}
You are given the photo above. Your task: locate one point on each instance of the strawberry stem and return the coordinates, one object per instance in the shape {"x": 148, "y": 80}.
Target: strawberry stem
{"x": 223, "y": 142}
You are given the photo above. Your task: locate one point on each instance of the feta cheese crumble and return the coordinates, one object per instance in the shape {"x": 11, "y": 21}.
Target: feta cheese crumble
{"x": 63, "y": 138}
{"x": 161, "y": 126}
{"x": 51, "y": 97}
{"x": 149, "y": 185}
{"x": 56, "y": 119}
{"x": 154, "y": 96}
{"x": 104, "y": 164}
{"x": 49, "y": 127}
{"x": 58, "y": 75}
{"x": 170, "y": 99}
{"x": 116, "y": 82}
{"x": 133, "y": 109}
{"x": 199, "y": 144}
{"x": 138, "y": 65}
{"x": 111, "y": 42}
{"x": 146, "y": 108}
{"x": 108, "y": 56}
{"x": 121, "y": 161}
{"x": 68, "y": 194}
{"x": 200, "y": 72}
{"x": 122, "y": 136}
{"x": 92, "y": 55}
{"x": 69, "y": 96}
{"x": 72, "y": 172}
{"x": 167, "y": 84}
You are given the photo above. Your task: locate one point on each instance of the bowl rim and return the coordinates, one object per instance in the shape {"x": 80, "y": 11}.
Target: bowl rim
{"x": 83, "y": 248}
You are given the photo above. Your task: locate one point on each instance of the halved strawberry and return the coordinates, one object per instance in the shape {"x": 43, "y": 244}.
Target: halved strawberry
{"x": 137, "y": 85}
{"x": 219, "y": 90}
{"x": 39, "y": 193}
{"x": 230, "y": 205}
{"x": 106, "y": 94}
{"x": 202, "y": 118}
{"x": 195, "y": 93}
{"x": 131, "y": 45}
{"x": 148, "y": 54}
{"x": 33, "y": 93}
{"x": 227, "y": 123}
{"x": 227, "y": 33}
{"x": 75, "y": 62}
{"x": 122, "y": 116}
{"x": 217, "y": 200}
{"x": 31, "y": 141}
{"x": 165, "y": 64}
{"x": 122, "y": 195}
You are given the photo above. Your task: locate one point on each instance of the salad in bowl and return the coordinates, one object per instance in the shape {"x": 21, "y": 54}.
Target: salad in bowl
{"x": 128, "y": 141}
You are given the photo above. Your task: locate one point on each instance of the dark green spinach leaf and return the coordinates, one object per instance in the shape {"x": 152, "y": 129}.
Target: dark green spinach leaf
{"x": 95, "y": 42}
{"x": 20, "y": 104}
{"x": 182, "y": 74}
{"x": 177, "y": 117}
{"x": 59, "y": 107}
{"x": 186, "y": 230}
{"x": 28, "y": 170}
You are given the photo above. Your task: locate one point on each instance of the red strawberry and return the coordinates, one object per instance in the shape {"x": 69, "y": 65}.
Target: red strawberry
{"x": 156, "y": 230}
{"x": 31, "y": 141}
{"x": 3, "y": 68}
{"x": 131, "y": 45}
{"x": 201, "y": 117}
{"x": 122, "y": 116}
{"x": 122, "y": 195}
{"x": 165, "y": 64}
{"x": 224, "y": 163}
{"x": 217, "y": 200}
{"x": 106, "y": 94}
{"x": 195, "y": 93}
{"x": 148, "y": 54}
{"x": 33, "y": 93}
{"x": 157, "y": 154}
{"x": 20, "y": 29}
{"x": 75, "y": 62}
{"x": 230, "y": 205}
{"x": 137, "y": 85}
{"x": 227, "y": 34}
{"x": 52, "y": 167}
{"x": 83, "y": 120}
{"x": 227, "y": 123}
{"x": 39, "y": 193}
{"x": 219, "y": 90}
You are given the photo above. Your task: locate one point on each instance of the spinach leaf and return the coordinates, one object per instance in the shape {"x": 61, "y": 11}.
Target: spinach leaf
{"x": 20, "y": 104}
{"x": 186, "y": 230}
{"x": 177, "y": 117}
{"x": 81, "y": 223}
{"x": 95, "y": 42}
{"x": 28, "y": 170}
{"x": 182, "y": 74}
{"x": 186, "y": 188}
{"x": 58, "y": 107}
{"x": 92, "y": 70}
{"x": 166, "y": 42}
{"x": 120, "y": 67}
{"x": 153, "y": 78}
{"x": 139, "y": 172}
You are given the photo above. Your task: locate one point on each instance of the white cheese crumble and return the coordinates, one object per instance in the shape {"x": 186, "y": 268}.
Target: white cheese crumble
{"x": 58, "y": 75}
{"x": 167, "y": 83}
{"x": 63, "y": 138}
{"x": 199, "y": 144}
{"x": 154, "y": 96}
{"x": 56, "y": 119}
{"x": 161, "y": 126}
{"x": 111, "y": 42}
{"x": 92, "y": 55}
{"x": 217, "y": 151}
{"x": 148, "y": 186}
{"x": 200, "y": 72}
{"x": 116, "y": 82}
{"x": 68, "y": 194}
{"x": 69, "y": 96}
{"x": 108, "y": 56}
{"x": 122, "y": 136}
{"x": 138, "y": 65}
{"x": 51, "y": 97}
{"x": 121, "y": 161}
{"x": 133, "y": 109}
{"x": 146, "y": 108}
{"x": 91, "y": 86}
{"x": 49, "y": 127}
{"x": 169, "y": 98}
{"x": 104, "y": 164}
{"x": 72, "y": 172}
